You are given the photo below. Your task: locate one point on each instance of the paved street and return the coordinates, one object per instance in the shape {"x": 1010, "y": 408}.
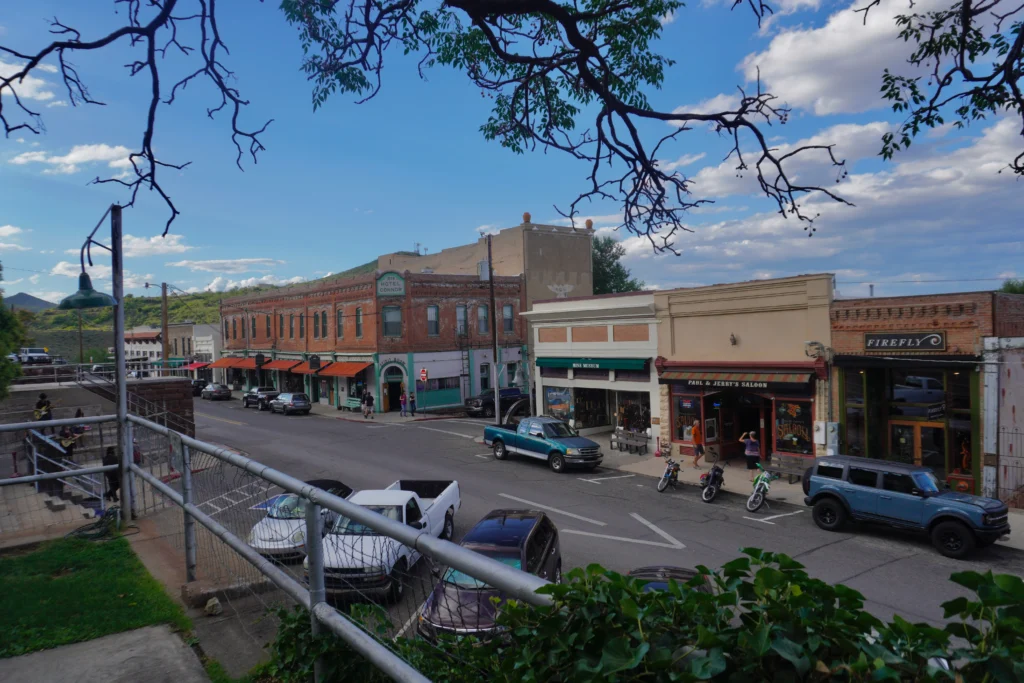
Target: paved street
{"x": 607, "y": 516}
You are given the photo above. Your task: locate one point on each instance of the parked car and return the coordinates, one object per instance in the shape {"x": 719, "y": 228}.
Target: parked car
{"x": 844, "y": 488}
{"x": 13, "y": 357}
{"x": 657, "y": 578}
{"x": 197, "y": 385}
{"x": 544, "y": 438}
{"x": 290, "y": 403}
{"x": 259, "y": 397}
{"x": 33, "y": 356}
{"x": 281, "y": 535}
{"x": 358, "y": 560}
{"x": 215, "y": 392}
{"x": 484, "y": 403}
{"x": 461, "y": 604}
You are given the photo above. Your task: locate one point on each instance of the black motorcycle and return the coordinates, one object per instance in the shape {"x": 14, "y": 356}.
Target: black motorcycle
{"x": 711, "y": 482}
{"x": 671, "y": 475}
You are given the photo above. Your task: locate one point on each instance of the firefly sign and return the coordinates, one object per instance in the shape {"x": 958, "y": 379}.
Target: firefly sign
{"x": 905, "y": 341}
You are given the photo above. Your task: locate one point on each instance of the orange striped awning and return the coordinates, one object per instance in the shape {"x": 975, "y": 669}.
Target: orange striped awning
{"x": 303, "y": 368}
{"x": 226, "y": 362}
{"x": 280, "y": 364}
{"x": 788, "y": 378}
{"x": 245, "y": 364}
{"x": 343, "y": 369}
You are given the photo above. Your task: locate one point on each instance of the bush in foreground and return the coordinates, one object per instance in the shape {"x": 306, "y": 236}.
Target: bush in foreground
{"x": 767, "y": 620}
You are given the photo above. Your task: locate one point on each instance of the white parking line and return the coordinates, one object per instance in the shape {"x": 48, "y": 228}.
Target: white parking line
{"x": 764, "y": 520}
{"x": 551, "y": 509}
{"x": 466, "y": 422}
{"x": 656, "y": 530}
{"x": 600, "y": 479}
{"x": 483, "y": 457}
{"x": 623, "y": 539}
{"x": 409, "y": 622}
{"x": 445, "y": 431}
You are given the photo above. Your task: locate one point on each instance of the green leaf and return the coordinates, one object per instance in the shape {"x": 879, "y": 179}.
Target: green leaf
{"x": 619, "y": 655}
{"x": 1013, "y": 585}
{"x": 792, "y": 653}
{"x": 758, "y": 640}
{"x": 708, "y": 666}
{"x": 629, "y": 608}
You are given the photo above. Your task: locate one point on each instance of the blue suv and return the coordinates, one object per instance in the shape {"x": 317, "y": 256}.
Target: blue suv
{"x": 843, "y": 488}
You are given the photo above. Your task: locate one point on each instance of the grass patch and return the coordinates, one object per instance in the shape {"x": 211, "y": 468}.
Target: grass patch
{"x": 72, "y": 590}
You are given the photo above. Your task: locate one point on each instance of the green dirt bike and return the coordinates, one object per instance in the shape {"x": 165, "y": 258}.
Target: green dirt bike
{"x": 762, "y": 483}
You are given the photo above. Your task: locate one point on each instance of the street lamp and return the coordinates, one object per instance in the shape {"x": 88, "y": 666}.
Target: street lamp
{"x": 87, "y": 297}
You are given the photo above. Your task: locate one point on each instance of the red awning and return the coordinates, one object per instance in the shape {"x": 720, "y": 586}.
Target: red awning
{"x": 195, "y": 366}
{"x": 246, "y": 364}
{"x": 303, "y": 368}
{"x": 344, "y": 369}
{"x": 226, "y": 362}
{"x": 280, "y": 364}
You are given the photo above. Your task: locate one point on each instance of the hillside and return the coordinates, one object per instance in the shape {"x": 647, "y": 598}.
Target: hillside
{"x": 27, "y": 302}
{"x": 202, "y": 307}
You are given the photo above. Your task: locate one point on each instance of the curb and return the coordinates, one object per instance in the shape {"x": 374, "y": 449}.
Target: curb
{"x": 721, "y": 492}
{"x": 415, "y": 419}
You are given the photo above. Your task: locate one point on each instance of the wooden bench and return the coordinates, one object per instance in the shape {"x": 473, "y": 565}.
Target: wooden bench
{"x": 630, "y": 442}
{"x": 352, "y": 403}
{"x": 791, "y": 466}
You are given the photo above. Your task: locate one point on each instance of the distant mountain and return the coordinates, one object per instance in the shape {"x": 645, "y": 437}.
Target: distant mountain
{"x": 27, "y": 302}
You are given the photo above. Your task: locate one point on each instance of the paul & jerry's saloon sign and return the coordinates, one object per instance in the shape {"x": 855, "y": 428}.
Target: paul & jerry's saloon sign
{"x": 905, "y": 341}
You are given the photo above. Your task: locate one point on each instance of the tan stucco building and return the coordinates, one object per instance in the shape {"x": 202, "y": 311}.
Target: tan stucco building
{"x": 749, "y": 356}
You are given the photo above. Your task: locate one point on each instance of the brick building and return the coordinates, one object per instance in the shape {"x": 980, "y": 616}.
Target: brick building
{"x": 916, "y": 379}
{"x": 378, "y": 331}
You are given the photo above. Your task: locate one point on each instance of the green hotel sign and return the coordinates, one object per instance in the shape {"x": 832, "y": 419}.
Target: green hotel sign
{"x": 593, "y": 363}
{"x": 390, "y": 284}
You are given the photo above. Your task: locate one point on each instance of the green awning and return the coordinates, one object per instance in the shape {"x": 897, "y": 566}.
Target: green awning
{"x": 593, "y": 363}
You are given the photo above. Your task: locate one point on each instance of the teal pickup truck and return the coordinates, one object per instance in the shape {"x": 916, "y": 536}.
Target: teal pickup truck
{"x": 544, "y": 438}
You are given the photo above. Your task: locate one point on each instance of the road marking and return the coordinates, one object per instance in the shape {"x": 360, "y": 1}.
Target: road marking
{"x": 445, "y": 431}
{"x": 547, "y": 507}
{"x": 468, "y": 422}
{"x": 483, "y": 457}
{"x": 409, "y": 621}
{"x": 219, "y": 419}
{"x": 656, "y": 530}
{"x": 623, "y": 539}
{"x": 764, "y": 520}
{"x": 600, "y": 479}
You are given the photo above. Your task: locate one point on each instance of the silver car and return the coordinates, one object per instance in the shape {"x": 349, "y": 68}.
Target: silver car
{"x": 291, "y": 403}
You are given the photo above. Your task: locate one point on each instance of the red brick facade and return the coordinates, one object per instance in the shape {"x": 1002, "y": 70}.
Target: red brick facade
{"x": 1009, "y": 315}
{"x": 303, "y": 310}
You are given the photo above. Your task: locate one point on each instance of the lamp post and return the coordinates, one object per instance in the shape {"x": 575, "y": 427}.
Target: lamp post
{"x": 87, "y": 297}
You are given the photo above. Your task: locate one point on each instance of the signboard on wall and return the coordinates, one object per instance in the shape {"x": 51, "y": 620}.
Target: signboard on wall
{"x": 742, "y": 384}
{"x": 391, "y": 284}
{"x": 904, "y": 341}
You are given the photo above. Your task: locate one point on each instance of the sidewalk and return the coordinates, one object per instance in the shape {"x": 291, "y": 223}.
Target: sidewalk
{"x": 117, "y": 658}
{"x": 394, "y": 417}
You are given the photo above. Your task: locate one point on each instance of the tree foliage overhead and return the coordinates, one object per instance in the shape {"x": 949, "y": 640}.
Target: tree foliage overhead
{"x": 567, "y": 75}
{"x": 12, "y": 336}
{"x": 1012, "y": 286}
{"x": 973, "y": 52}
{"x": 610, "y": 276}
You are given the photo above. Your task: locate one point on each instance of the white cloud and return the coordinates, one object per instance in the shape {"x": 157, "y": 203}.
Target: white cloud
{"x": 714, "y": 105}
{"x": 57, "y": 103}
{"x": 116, "y": 156}
{"x": 667, "y": 19}
{"x": 99, "y": 271}
{"x": 487, "y": 229}
{"x": 223, "y": 284}
{"x": 49, "y": 251}
{"x": 837, "y": 67}
{"x": 233, "y": 266}
{"x": 31, "y": 88}
{"x": 153, "y": 246}
{"x": 9, "y": 230}
{"x": 7, "y": 246}
{"x": 34, "y": 279}
{"x": 51, "y": 296}
{"x": 684, "y": 160}
{"x": 8, "y": 283}
{"x": 20, "y": 141}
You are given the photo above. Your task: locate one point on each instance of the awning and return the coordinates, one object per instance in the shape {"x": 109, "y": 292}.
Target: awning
{"x": 245, "y": 364}
{"x": 226, "y": 362}
{"x": 303, "y": 368}
{"x": 195, "y": 366}
{"x": 593, "y": 363}
{"x": 740, "y": 380}
{"x": 344, "y": 369}
{"x": 280, "y": 364}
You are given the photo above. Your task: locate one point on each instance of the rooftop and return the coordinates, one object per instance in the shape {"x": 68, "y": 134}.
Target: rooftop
{"x": 504, "y": 528}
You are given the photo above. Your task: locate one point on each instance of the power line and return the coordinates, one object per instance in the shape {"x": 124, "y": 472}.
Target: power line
{"x": 894, "y": 282}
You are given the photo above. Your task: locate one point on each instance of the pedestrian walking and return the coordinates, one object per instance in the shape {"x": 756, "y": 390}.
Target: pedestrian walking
{"x": 412, "y": 404}
{"x": 113, "y": 478}
{"x": 752, "y": 451}
{"x": 402, "y": 401}
{"x": 697, "y": 438}
{"x": 368, "y": 405}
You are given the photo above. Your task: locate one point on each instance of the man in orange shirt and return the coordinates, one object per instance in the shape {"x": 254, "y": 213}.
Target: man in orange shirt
{"x": 697, "y": 437}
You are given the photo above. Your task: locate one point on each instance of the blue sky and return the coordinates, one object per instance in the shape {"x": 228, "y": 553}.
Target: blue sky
{"x": 339, "y": 186}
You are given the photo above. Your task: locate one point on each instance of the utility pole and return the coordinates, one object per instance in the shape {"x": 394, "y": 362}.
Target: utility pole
{"x": 494, "y": 336}
{"x": 163, "y": 325}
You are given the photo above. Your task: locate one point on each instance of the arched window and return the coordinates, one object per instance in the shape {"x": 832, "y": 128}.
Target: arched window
{"x": 341, "y": 325}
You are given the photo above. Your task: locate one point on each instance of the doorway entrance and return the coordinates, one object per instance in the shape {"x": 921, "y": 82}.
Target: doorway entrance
{"x": 919, "y": 443}
{"x": 392, "y": 389}
{"x": 728, "y": 414}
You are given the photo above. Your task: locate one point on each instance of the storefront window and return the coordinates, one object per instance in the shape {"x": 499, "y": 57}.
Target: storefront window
{"x": 854, "y": 381}
{"x": 591, "y": 408}
{"x": 960, "y": 445}
{"x": 916, "y": 393}
{"x": 633, "y": 410}
{"x": 557, "y": 373}
{"x": 794, "y": 427}
{"x": 590, "y": 373}
{"x": 558, "y": 402}
{"x": 685, "y": 411}
{"x": 854, "y": 430}
{"x": 960, "y": 389}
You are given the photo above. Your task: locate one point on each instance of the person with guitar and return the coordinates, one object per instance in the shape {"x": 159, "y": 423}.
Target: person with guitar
{"x": 44, "y": 409}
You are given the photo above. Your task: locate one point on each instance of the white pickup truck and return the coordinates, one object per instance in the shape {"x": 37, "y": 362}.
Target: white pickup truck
{"x": 359, "y": 560}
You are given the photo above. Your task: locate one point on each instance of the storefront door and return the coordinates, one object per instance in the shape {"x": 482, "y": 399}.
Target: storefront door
{"x": 920, "y": 443}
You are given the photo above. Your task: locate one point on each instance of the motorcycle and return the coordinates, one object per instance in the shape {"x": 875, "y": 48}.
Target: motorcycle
{"x": 712, "y": 482}
{"x": 671, "y": 475}
{"x": 762, "y": 484}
